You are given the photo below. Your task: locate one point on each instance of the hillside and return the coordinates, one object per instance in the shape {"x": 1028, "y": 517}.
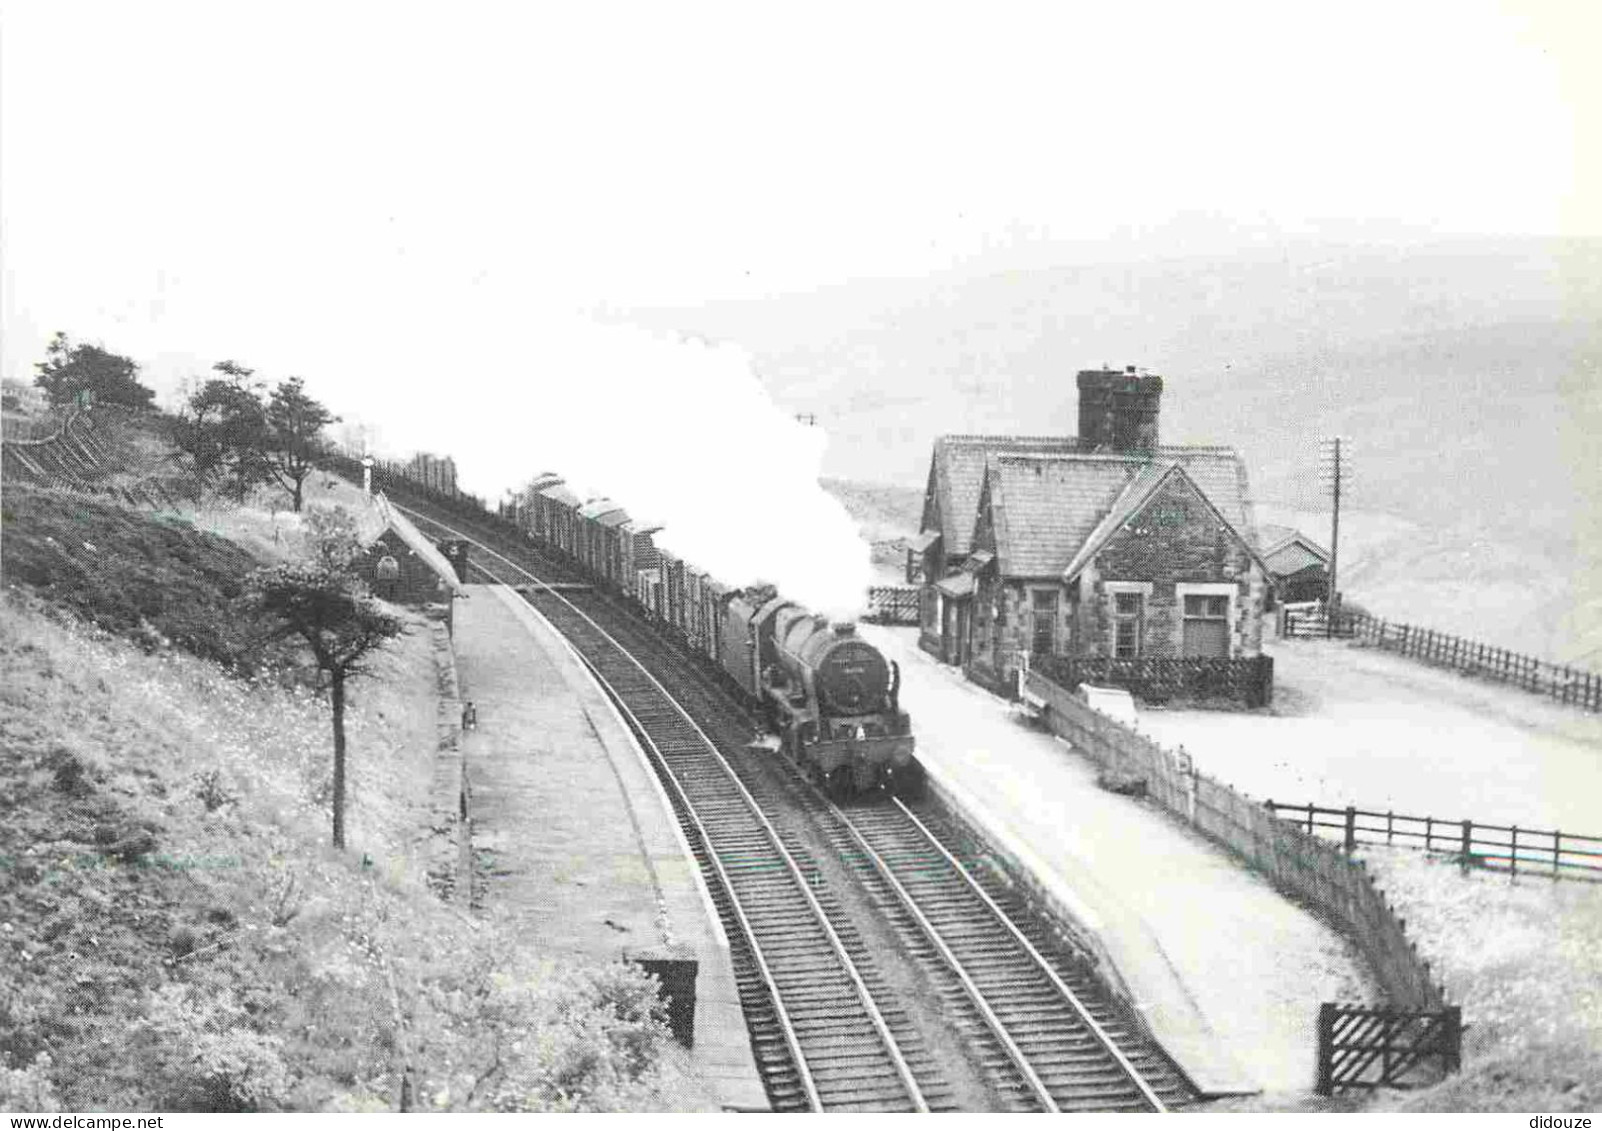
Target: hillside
{"x": 175, "y": 932}
{"x": 886, "y": 516}
{"x": 1466, "y": 372}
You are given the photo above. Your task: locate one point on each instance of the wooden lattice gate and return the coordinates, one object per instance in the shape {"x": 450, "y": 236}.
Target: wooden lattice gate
{"x": 894, "y": 604}
{"x": 1374, "y": 1046}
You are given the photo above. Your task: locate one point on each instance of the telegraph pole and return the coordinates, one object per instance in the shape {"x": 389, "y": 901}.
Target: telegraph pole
{"x": 1334, "y": 466}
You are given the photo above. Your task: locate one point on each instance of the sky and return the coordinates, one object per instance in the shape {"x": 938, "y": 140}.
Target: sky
{"x": 417, "y": 207}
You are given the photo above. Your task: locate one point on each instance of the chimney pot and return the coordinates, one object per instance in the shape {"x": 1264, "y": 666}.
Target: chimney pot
{"x": 1118, "y": 410}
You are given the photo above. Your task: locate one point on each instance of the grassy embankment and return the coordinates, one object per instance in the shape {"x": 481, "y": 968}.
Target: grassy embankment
{"x": 175, "y": 932}
{"x": 1522, "y": 958}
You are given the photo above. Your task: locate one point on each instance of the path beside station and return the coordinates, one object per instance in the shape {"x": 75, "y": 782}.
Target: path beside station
{"x": 1228, "y": 973}
{"x": 572, "y": 833}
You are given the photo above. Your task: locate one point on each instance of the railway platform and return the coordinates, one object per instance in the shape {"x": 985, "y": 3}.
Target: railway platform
{"x": 572, "y": 835}
{"x": 1227, "y": 973}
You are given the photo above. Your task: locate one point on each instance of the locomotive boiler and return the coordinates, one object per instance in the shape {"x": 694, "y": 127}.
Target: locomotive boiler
{"x": 831, "y": 697}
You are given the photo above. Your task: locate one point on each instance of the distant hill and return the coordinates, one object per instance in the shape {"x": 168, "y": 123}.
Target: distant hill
{"x": 887, "y": 516}
{"x": 1468, "y": 374}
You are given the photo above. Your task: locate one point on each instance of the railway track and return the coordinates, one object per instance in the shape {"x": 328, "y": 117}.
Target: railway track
{"x": 826, "y": 1034}
{"x": 1066, "y": 1046}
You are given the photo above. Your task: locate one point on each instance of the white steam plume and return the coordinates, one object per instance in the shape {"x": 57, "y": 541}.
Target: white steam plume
{"x": 677, "y": 432}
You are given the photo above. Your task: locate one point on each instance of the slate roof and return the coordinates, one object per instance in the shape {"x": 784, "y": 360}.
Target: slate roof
{"x": 1043, "y": 508}
{"x": 957, "y": 475}
{"x": 1139, "y": 492}
{"x": 596, "y": 508}
{"x": 1275, "y": 540}
{"x": 957, "y": 471}
{"x": 559, "y": 493}
{"x": 417, "y": 542}
{"x": 1051, "y": 512}
{"x": 1292, "y": 555}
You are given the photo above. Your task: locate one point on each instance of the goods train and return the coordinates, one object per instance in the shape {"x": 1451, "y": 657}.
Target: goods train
{"x": 831, "y": 697}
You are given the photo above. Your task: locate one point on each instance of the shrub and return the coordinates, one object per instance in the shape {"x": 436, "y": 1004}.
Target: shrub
{"x": 214, "y": 1060}
{"x": 28, "y": 1089}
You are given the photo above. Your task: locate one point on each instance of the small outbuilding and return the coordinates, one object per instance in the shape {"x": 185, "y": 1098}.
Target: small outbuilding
{"x": 1297, "y": 565}
{"x": 404, "y": 566}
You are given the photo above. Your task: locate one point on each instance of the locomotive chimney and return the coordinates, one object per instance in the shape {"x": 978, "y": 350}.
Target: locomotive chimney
{"x": 1118, "y": 410}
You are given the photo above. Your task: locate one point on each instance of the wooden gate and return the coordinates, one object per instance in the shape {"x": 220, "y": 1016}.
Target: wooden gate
{"x": 1375, "y": 1046}
{"x": 894, "y": 604}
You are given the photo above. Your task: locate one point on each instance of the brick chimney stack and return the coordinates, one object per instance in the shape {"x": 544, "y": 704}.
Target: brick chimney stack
{"x": 1118, "y": 410}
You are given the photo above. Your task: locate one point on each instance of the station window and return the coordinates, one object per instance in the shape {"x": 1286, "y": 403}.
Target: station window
{"x": 1044, "y": 603}
{"x": 1206, "y": 631}
{"x": 1127, "y": 612}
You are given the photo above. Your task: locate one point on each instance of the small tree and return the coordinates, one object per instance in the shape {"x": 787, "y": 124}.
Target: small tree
{"x": 69, "y": 370}
{"x": 223, "y": 428}
{"x": 328, "y": 606}
{"x": 295, "y": 424}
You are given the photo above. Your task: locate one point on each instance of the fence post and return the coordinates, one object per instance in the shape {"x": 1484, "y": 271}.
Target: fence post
{"x": 1468, "y": 839}
{"x": 1557, "y": 852}
{"x": 1429, "y": 828}
{"x": 1513, "y": 852}
{"x": 1351, "y": 828}
{"x": 1390, "y": 818}
{"x": 1326, "y": 1051}
{"x": 1309, "y": 818}
{"x": 1452, "y": 1038}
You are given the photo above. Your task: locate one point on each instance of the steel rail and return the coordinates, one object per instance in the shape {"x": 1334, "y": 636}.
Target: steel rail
{"x": 870, "y": 1007}
{"x": 1045, "y": 967}
{"x": 1016, "y": 1054}
{"x": 1066, "y": 993}
{"x": 787, "y": 1028}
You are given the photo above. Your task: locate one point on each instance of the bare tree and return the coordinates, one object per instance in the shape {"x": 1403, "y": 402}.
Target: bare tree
{"x": 328, "y": 607}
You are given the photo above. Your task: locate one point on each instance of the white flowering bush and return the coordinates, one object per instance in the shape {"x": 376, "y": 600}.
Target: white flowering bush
{"x": 213, "y": 1059}
{"x": 585, "y": 1040}
{"x": 28, "y": 1088}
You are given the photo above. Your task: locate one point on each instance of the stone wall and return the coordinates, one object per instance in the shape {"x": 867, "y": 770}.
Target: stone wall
{"x": 416, "y": 582}
{"x": 1176, "y": 538}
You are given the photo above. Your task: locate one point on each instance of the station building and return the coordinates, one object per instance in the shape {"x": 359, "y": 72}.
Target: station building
{"x": 1106, "y": 546}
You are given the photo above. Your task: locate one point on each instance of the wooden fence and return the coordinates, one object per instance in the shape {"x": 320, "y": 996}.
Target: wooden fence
{"x": 394, "y": 477}
{"x": 1471, "y": 657}
{"x": 1361, "y": 1046}
{"x": 1506, "y": 848}
{"x": 1560, "y": 682}
{"x": 894, "y": 604}
{"x": 1303, "y": 865}
{"x": 1312, "y": 622}
{"x": 1162, "y": 679}
{"x": 84, "y": 454}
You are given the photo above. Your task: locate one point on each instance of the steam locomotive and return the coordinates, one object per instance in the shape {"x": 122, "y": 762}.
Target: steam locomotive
{"x": 830, "y": 696}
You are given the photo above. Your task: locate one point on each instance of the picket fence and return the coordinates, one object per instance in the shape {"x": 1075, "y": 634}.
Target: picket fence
{"x": 1303, "y": 865}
